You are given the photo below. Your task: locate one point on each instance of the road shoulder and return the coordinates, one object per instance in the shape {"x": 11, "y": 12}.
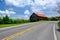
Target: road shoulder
{"x": 57, "y": 32}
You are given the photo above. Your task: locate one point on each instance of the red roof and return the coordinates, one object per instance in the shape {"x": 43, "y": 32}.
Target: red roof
{"x": 41, "y": 15}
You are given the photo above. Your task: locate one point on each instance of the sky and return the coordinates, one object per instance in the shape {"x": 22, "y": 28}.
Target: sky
{"x": 23, "y": 9}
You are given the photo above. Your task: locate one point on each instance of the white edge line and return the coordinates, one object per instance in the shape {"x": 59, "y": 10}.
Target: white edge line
{"x": 54, "y": 32}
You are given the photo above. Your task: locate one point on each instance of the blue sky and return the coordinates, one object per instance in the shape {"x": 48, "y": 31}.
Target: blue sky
{"x": 22, "y": 9}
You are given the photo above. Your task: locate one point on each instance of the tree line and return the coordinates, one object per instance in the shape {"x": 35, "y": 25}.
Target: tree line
{"x": 54, "y": 18}
{"x": 7, "y": 20}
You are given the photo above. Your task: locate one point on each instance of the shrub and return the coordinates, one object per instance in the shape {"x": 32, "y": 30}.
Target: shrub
{"x": 59, "y": 25}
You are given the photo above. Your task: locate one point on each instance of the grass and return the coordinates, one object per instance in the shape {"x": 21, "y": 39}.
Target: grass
{"x": 10, "y": 25}
{"x": 59, "y": 25}
{"x": 7, "y": 25}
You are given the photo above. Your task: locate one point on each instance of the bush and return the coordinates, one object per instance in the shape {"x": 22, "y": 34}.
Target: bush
{"x": 0, "y": 20}
{"x": 59, "y": 25}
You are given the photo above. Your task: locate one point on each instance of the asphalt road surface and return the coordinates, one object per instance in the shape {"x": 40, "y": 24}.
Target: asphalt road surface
{"x": 33, "y": 31}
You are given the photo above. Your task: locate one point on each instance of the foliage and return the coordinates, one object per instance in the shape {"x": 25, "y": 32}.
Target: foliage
{"x": 54, "y": 18}
{"x": 59, "y": 25}
{"x": 7, "y": 20}
{"x": 0, "y": 20}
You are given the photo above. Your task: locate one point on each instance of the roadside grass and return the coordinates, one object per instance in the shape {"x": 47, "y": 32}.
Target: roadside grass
{"x": 10, "y": 25}
{"x": 59, "y": 25}
{"x": 7, "y": 25}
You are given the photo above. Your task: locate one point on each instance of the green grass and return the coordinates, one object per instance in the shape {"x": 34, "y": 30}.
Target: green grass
{"x": 59, "y": 25}
{"x": 10, "y": 25}
{"x": 7, "y": 25}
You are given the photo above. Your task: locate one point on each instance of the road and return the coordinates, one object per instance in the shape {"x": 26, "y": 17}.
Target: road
{"x": 33, "y": 31}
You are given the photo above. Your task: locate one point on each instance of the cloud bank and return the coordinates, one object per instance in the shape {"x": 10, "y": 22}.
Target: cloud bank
{"x": 36, "y": 5}
{"x": 7, "y": 12}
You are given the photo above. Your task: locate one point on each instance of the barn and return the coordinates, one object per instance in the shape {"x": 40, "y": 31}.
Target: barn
{"x": 37, "y": 16}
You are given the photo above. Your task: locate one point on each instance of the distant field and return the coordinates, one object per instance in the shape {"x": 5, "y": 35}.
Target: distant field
{"x": 59, "y": 25}
{"x": 7, "y": 25}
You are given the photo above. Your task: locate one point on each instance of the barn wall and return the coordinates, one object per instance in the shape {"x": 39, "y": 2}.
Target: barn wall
{"x": 34, "y": 18}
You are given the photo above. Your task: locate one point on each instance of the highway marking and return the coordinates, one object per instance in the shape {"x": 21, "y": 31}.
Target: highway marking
{"x": 20, "y": 33}
{"x": 55, "y": 37}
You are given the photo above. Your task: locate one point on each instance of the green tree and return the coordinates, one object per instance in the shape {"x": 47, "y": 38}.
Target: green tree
{"x": 6, "y": 20}
{"x": 11, "y": 21}
{"x": 0, "y": 20}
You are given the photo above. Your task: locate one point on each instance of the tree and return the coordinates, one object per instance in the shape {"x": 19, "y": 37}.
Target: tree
{"x": 0, "y": 20}
{"x": 6, "y": 20}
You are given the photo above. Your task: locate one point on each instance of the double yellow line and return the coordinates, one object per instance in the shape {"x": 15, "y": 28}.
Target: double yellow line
{"x": 20, "y": 33}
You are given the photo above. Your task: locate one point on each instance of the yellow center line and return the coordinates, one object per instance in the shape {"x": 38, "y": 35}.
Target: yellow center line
{"x": 20, "y": 33}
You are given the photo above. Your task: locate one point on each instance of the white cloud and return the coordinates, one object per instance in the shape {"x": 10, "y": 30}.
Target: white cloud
{"x": 40, "y": 2}
{"x": 10, "y": 9}
{"x": 53, "y": 15}
{"x": 35, "y": 4}
{"x": 22, "y": 3}
{"x": 38, "y": 5}
{"x": 26, "y": 17}
{"x": 27, "y": 12}
{"x": 2, "y": 12}
{"x": 18, "y": 3}
{"x": 7, "y": 12}
{"x": 58, "y": 1}
{"x": 18, "y": 17}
